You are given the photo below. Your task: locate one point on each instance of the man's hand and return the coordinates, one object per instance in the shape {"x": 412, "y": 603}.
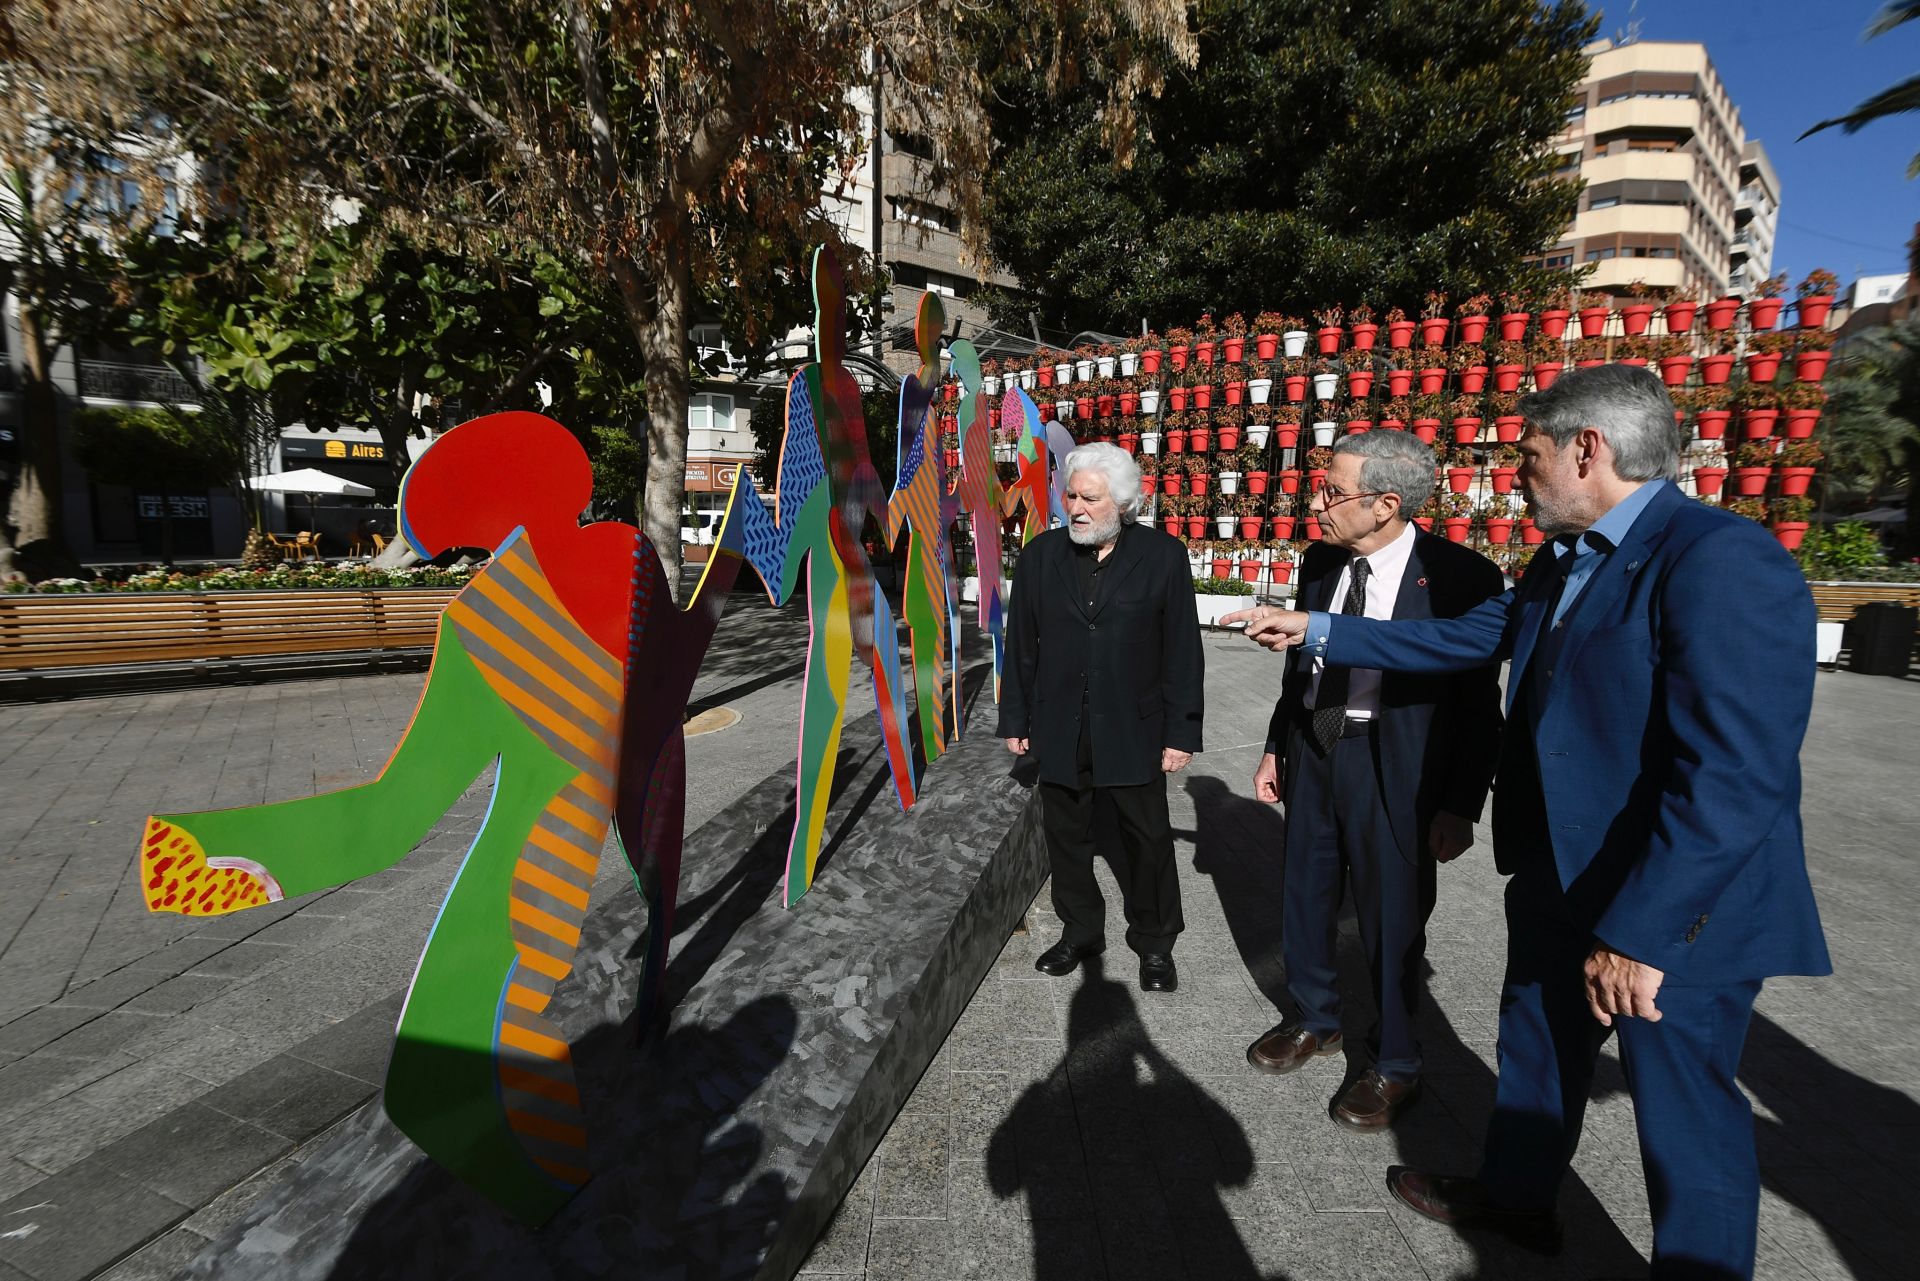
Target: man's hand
{"x": 1449, "y": 837}
{"x": 1018, "y": 746}
{"x": 1173, "y": 760}
{"x": 1621, "y": 987}
{"x": 1266, "y": 780}
{"x": 1277, "y": 629}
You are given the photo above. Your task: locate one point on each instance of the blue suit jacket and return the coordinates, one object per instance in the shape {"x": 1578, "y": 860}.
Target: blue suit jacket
{"x": 1667, "y": 744}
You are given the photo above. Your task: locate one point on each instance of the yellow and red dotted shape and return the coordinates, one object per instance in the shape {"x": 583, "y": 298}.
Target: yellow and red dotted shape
{"x": 177, "y": 876}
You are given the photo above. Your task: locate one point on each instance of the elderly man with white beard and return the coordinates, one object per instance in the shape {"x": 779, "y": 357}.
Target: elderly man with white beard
{"x": 1103, "y": 684}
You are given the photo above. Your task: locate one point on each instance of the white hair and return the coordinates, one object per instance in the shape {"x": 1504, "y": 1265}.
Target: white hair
{"x": 1117, "y": 465}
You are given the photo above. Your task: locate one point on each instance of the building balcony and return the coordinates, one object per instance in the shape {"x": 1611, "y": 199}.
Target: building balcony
{"x": 152, "y": 384}
{"x": 1618, "y": 273}
{"x": 1673, "y": 114}
{"x": 1666, "y": 220}
{"x": 1643, "y": 166}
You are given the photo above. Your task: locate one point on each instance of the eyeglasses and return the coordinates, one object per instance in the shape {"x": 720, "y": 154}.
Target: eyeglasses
{"x": 1330, "y": 497}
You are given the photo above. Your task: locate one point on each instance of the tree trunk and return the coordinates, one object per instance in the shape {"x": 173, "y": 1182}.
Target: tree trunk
{"x": 39, "y": 540}
{"x": 660, "y": 328}
{"x": 396, "y": 426}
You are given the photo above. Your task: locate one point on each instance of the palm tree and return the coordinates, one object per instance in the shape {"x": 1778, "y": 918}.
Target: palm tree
{"x": 1902, "y": 97}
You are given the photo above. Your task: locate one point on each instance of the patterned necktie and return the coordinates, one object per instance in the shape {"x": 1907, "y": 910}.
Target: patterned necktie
{"x": 1330, "y": 703}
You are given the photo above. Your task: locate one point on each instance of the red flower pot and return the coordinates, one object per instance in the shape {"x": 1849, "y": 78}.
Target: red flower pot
{"x": 1250, "y": 569}
{"x": 1801, "y": 422}
{"x": 1680, "y": 316}
{"x": 1507, "y": 377}
{"x": 1289, "y": 484}
{"x": 1229, "y": 438}
{"x": 1707, "y": 480}
{"x": 1177, "y": 441}
{"x": 1756, "y": 424}
{"x": 1043, "y": 375}
{"x": 1146, "y": 486}
{"x": 1714, "y": 369}
{"x": 1814, "y": 309}
{"x": 1280, "y": 571}
{"x": 1286, "y": 435}
{"x": 1220, "y": 566}
{"x": 1473, "y": 328}
{"x": 1790, "y": 532}
{"x": 1233, "y": 350}
{"x": 1203, "y": 353}
{"x": 1236, "y": 393}
{"x": 1553, "y": 322}
{"x": 1083, "y": 407}
{"x": 1457, "y": 527}
{"x": 1592, "y": 321}
{"x": 1473, "y": 379}
{"x": 1296, "y": 385}
{"x": 1400, "y": 335}
{"x": 1499, "y": 529}
{"x": 1513, "y": 326}
{"x": 1329, "y": 339}
{"x": 1170, "y": 482}
{"x": 1636, "y": 316}
{"x": 1763, "y": 365}
{"x": 1674, "y": 369}
{"x": 1794, "y": 481}
{"x": 1266, "y": 346}
{"x": 1720, "y": 313}
{"x": 1177, "y": 398}
{"x": 1459, "y": 478}
{"x": 1312, "y": 527}
{"x": 1316, "y": 477}
{"x": 1363, "y": 336}
{"x": 1177, "y": 355}
{"x": 1197, "y": 482}
{"x": 1432, "y": 380}
{"x": 1503, "y": 479}
{"x": 1507, "y": 428}
{"x": 1197, "y": 439}
{"x": 1103, "y": 404}
{"x": 1150, "y": 361}
{"x": 1249, "y": 528}
{"x": 1531, "y": 534}
{"x": 1811, "y": 366}
{"x": 1129, "y": 402}
{"x": 1543, "y": 375}
{"x": 1425, "y": 523}
{"x": 1282, "y": 526}
{"x": 1638, "y": 362}
{"x": 1466, "y": 430}
{"x": 1196, "y": 527}
{"x": 1130, "y": 441}
{"x": 1750, "y": 482}
{"x": 1172, "y": 524}
{"x": 1359, "y": 383}
{"x": 1399, "y": 382}
{"x": 1357, "y": 425}
{"x": 1434, "y": 332}
{"x": 1392, "y": 424}
{"x": 1762, "y": 313}
{"x": 1712, "y": 423}
{"x": 1202, "y": 395}
{"x": 1426, "y": 429}
{"x": 1587, "y": 364}
{"x": 1256, "y": 484}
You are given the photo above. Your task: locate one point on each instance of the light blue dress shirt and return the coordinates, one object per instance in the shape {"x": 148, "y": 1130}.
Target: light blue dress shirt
{"x": 1590, "y": 547}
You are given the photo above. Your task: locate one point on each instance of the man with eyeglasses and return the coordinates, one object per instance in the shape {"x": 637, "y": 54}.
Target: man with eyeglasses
{"x": 1384, "y": 773}
{"x": 1647, "y": 813}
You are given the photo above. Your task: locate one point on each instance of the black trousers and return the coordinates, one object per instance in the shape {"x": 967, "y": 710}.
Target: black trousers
{"x": 1338, "y": 832}
{"x": 1149, "y": 880}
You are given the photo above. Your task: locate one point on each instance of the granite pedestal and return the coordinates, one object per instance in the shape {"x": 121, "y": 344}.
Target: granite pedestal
{"x": 722, "y": 1142}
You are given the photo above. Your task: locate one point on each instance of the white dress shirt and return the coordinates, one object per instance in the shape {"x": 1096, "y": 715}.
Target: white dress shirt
{"x": 1387, "y": 568}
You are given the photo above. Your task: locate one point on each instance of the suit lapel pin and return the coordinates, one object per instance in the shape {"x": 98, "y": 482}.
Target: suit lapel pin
{"x": 1419, "y": 582}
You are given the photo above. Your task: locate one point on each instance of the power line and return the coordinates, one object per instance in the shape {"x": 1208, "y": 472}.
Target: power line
{"x": 1838, "y": 240}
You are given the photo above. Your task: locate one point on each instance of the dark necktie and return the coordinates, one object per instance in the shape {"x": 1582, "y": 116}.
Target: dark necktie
{"x": 1330, "y": 702}
{"x": 1546, "y": 646}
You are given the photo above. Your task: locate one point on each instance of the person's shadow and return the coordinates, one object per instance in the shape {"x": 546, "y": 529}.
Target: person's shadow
{"x": 1240, "y": 844}
{"x": 1119, "y": 1133}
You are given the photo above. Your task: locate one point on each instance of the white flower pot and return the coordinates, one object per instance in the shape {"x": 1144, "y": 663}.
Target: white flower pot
{"x": 1324, "y": 385}
{"x": 1129, "y": 363}
{"x": 1027, "y": 377}
{"x": 1083, "y": 369}
{"x": 1225, "y": 525}
{"x": 990, "y": 383}
{"x": 1258, "y": 389}
{"x": 1293, "y": 343}
{"x": 1149, "y": 442}
{"x": 1105, "y": 365}
{"x": 1257, "y": 434}
{"x": 1323, "y": 433}
{"x": 1150, "y": 401}
{"x": 1063, "y": 374}
{"x": 1229, "y": 482}
{"x": 1063, "y": 410}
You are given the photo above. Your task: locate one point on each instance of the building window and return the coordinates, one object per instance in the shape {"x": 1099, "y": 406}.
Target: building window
{"x": 1604, "y": 202}
{"x": 1559, "y": 260}
{"x": 922, "y": 214}
{"x": 709, "y": 411}
{"x": 913, "y": 144}
{"x": 1599, "y": 255}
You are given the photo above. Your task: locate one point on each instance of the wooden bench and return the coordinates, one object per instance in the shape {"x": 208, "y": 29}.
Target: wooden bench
{"x": 45, "y": 633}
{"x": 1837, "y": 601}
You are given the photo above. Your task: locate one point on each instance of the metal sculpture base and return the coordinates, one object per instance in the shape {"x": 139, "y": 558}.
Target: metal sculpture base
{"x": 721, "y": 1144}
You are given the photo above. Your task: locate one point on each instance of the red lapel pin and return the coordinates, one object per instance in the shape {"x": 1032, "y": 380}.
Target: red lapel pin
{"x": 1420, "y": 582}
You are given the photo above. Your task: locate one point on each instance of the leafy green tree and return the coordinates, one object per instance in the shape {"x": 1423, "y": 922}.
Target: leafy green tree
{"x": 155, "y": 450}
{"x": 1892, "y": 101}
{"x": 1372, "y": 150}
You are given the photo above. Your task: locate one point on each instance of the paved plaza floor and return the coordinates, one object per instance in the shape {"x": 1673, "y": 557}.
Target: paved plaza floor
{"x": 157, "y": 1072}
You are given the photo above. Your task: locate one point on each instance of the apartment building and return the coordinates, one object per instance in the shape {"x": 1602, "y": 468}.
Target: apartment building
{"x": 1665, "y": 159}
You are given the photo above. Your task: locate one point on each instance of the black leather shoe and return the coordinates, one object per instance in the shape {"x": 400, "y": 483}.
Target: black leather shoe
{"x": 1157, "y": 973}
{"x": 1462, "y": 1203}
{"x": 1064, "y": 958}
{"x": 1288, "y": 1047}
{"x": 1373, "y": 1102}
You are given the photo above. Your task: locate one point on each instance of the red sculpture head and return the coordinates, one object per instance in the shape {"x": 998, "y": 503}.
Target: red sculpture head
{"x": 486, "y": 478}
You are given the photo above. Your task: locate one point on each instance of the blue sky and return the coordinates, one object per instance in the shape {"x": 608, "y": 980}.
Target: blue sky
{"x": 1845, "y": 201}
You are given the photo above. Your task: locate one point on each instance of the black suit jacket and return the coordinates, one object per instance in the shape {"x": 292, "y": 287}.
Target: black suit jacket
{"x": 1439, "y": 736}
{"x": 1137, "y": 656}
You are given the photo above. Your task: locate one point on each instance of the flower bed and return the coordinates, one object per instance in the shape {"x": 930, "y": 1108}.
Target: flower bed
{"x": 303, "y": 578}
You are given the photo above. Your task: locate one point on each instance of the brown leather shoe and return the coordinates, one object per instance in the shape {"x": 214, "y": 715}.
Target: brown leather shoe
{"x": 1462, "y": 1203}
{"x": 1288, "y": 1047}
{"x": 1372, "y": 1102}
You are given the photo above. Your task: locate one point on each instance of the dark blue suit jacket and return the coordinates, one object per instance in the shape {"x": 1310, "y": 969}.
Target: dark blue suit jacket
{"x": 1667, "y": 745}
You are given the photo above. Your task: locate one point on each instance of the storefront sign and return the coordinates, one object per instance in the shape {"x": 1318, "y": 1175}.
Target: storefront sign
{"x": 184, "y": 506}
{"x": 332, "y": 447}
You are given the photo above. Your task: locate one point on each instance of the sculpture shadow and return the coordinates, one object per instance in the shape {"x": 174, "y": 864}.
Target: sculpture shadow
{"x": 1117, "y": 1147}
{"x": 673, "y": 1182}
{"x": 1240, "y": 843}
